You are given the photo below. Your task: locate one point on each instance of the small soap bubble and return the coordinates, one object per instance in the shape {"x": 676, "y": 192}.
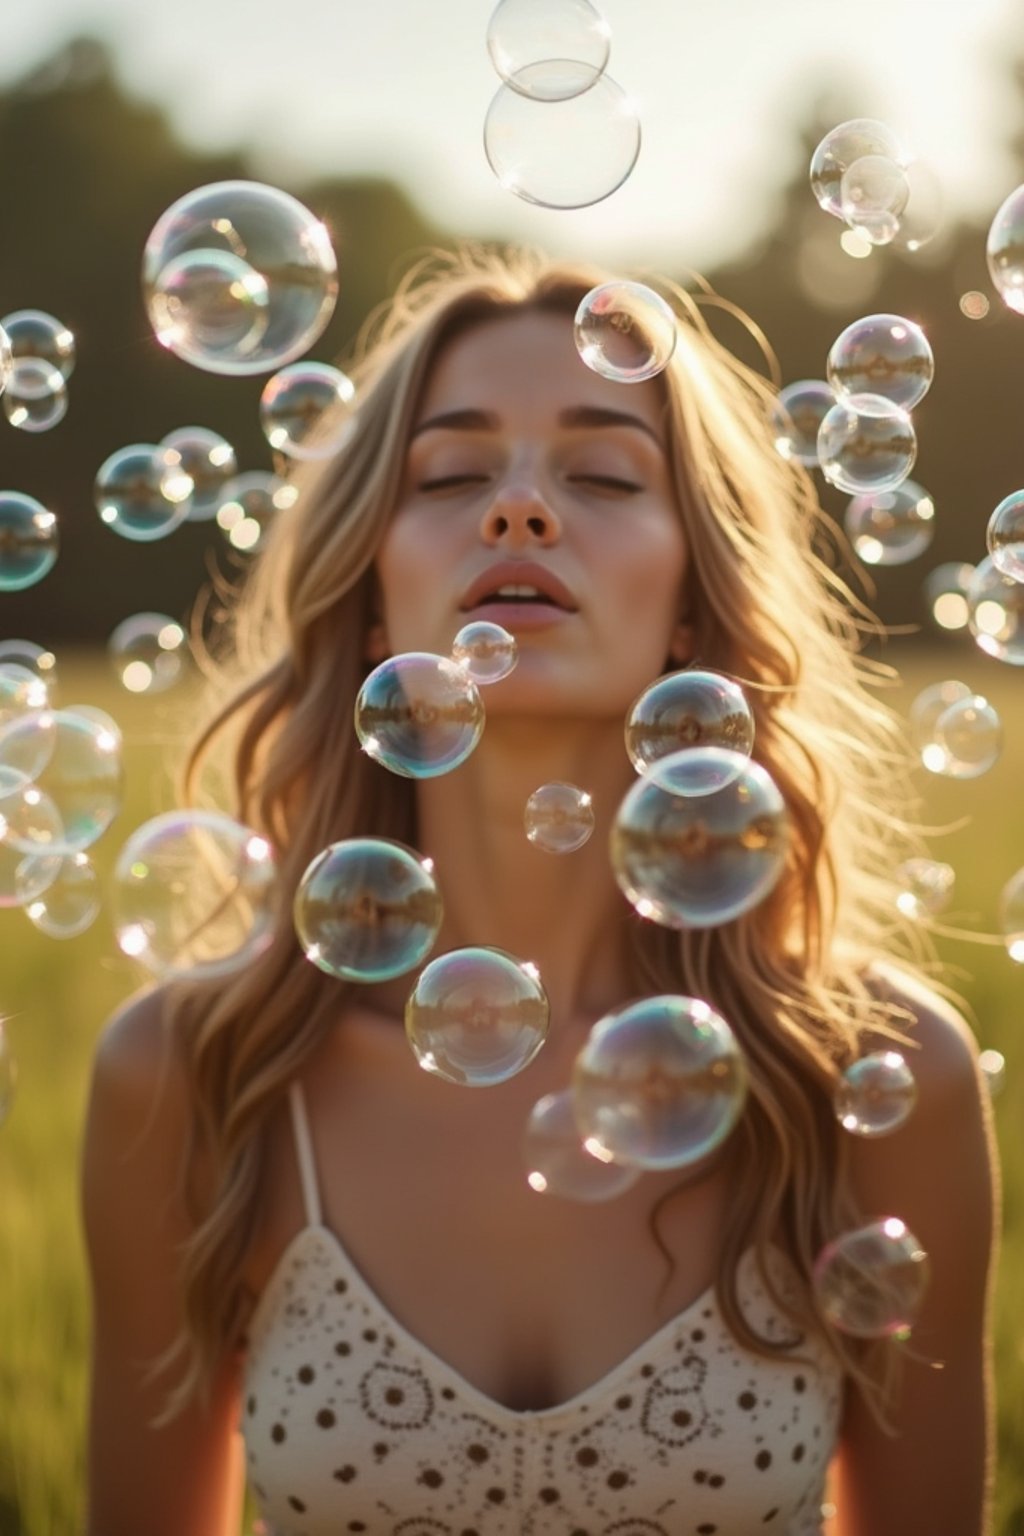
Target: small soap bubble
{"x": 993, "y": 1070}
{"x": 875, "y": 1095}
{"x": 1005, "y": 251}
{"x": 75, "y": 762}
{"x": 694, "y": 860}
{"x": 305, "y": 410}
{"x": 8, "y": 1075}
{"x": 873, "y": 193}
{"x": 35, "y": 658}
{"x": 660, "y": 1083}
{"x": 194, "y": 891}
{"x": 70, "y": 901}
{"x": 1011, "y": 916}
{"x": 367, "y": 909}
{"x": 1005, "y": 535}
{"x": 689, "y": 709}
{"x": 871, "y": 1282}
{"x": 967, "y": 739}
{"x": 29, "y": 824}
{"x": 926, "y": 887}
{"x": 239, "y": 278}
{"x": 883, "y": 355}
{"x": 37, "y": 337}
{"x": 797, "y": 417}
{"x": 250, "y": 505}
{"x": 486, "y": 652}
{"x": 995, "y": 613}
{"x": 866, "y": 445}
{"x": 36, "y": 397}
{"x": 477, "y": 1016}
{"x": 563, "y": 154}
{"x": 419, "y": 715}
{"x": 142, "y": 492}
{"x": 891, "y": 527}
{"x": 209, "y": 461}
{"x": 21, "y": 691}
{"x": 843, "y": 147}
{"x": 559, "y": 817}
{"x": 29, "y": 541}
{"x": 561, "y": 1161}
{"x": 149, "y": 652}
{"x": 926, "y": 708}
{"x": 548, "y": 49}
{"x": 625, "y": 332}
{"x": 945, "y": 592}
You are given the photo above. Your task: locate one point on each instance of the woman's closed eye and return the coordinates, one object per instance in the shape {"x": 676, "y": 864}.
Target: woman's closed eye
{"x": 612, "y": 485}
{"x": 452, "y": 482}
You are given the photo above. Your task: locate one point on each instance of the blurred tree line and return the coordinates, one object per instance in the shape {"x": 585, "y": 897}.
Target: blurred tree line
{"x": 86, "y": 172}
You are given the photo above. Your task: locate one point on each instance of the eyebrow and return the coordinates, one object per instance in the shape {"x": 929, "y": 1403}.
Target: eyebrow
{"x": 585, "y": 416}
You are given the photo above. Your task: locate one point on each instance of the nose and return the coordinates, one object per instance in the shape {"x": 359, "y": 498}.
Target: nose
{"x": 518, "y": 515}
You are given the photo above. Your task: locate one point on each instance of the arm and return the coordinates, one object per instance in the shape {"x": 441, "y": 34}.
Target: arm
{"x": 186, "y": 1477}
{"x": 938, "y": 1173}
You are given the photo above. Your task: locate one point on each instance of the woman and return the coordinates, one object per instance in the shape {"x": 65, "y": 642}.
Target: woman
{"x": 335, "y": 1253}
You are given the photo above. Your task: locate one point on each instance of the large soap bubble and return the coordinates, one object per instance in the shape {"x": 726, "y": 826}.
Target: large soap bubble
{"x": 477, "y": 1016}
{"x": 548, "y": 49}
{"x": 797, "y": 417}
{"x": 841, "y": 148}
{"x": 692, "y": 708}
{"x": 871, "y": 1282}
{"x": 1005, "y": 536}
{"x": 29, "y": 541}
{"x": 866, "y": 444}
{"x": 625, "y": 331}
{"x": 305, "y": 410}
{"x": 419, "y": 715}
{"x": 561, "y": 1161}
{"x": 563, "y": 154}
{"x": 1005, "y": 251}
{"x": 367, "y": 909}
{"x": 883, "y": 355}
{"x": 142, "y": 492}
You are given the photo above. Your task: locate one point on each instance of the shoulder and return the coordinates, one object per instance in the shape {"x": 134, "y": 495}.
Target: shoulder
{"x": 942, "y": 1051}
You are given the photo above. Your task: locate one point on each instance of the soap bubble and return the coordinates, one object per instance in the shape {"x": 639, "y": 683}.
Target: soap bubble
{"x": 995, "y": 613}
{"x": 34, "y": 658}
{"x": 239, "y": 278}
{"x": 304, "y": 410}
{"x": 926, "y": 887}
{"x": 149, "y": 652}
{"x": 75, "y": 762}
{"x": 694, "y": 860}
{"x": 477, "y": 1016}
{"x": 843, "y": 147}
{"x": 35, "y": 336}
{"x": 882, "y": 355}
{"x": 6, "y": 358}
{"x": 926, "y": 708}
{"x": 625, "y": 332}
{"x": 945, "y": 592}
{"x": 559, "y": 1161}
{"x": 1005, "y": 535}
{"x": 891, "y": 527}
{"x": 660, "y": 1083}
{"x": 367, "y": 909}
{"x": 966, "y": 741}
{"x": 875, "y": 1095}
{"x": 993, "y": 1070}
{"x": 28, "y": 541}
{"x": 209, "y": 462}
{"x": 142, "y": 492}
{"x": 102, "y": 720}
{"x": 1011, "y": 916}
{"x": 194, "y": 891}
{"x": 922, "y": 217}
{"x": 250, "y": 504}
{"x": 563, "y": 154}
{"x": 36, "y": 397}
{"x": 419, "y": 715}
{"x": 21, "y": 691}
{"x": 8, "y": 1075}
{"x": 486, "y": 652}
{"x": 689, "y": 709}
{"x": 873, "y": 192}
{"x": 29, "y": 824}
{"x": 1005, "y": 251}
{"x": 548, "y": 49}
{"x": 559, "y": 817}
{"x": 866, "y": 445}
{"x": 871, "y": 1282}
{"x": 797, "y": 417}
{"x": 70, "y": 902}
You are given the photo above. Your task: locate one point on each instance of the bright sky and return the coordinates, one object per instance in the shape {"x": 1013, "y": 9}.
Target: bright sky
{"x": 402, "y": 86}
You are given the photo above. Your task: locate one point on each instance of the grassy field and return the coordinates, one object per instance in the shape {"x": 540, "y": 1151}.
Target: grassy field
{"x": 56, "y": 995}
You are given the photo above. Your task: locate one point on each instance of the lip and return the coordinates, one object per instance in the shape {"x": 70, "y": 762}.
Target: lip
{"x": 521, "y": 616}
{"x": 524, "y": 573}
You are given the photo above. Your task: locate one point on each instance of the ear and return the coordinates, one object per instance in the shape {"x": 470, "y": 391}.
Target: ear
{"x": 681, "y": 646}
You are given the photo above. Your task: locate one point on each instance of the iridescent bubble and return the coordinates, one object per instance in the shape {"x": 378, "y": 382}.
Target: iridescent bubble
{"x": 239, "y": 278}
{"x": 368, "y": 909}
{"x": 922, "y": 217}
{"x": 250, "y": 504}
{"x": 995, "y": 613}
{"x": 76, "y": 763}
{"x": 29, "y": 824}
{"x": 548, "y": 49}
{"x": 419, "y": 715}
{"x": 21, "y": 691}
{"x": 873, "y": 192}
{"x": 35, "y": 658}
{"x": 149, "y": 652}
{"x": 625, "y": 332}
{"x": 194, "y": 891}
{"x": 305, "y": 410}
{"x": 560, "y": 1161}
{"x": 36, "y": 336}
{"x": 843, "y": 147}
{"x": 28, "y": 541}
{"x": 875, "y": 1095}
{"x": 209, "y": 461}
{"x": 926, "y": 887}
{"x": 1011, "y": 916}
{"x": 1005, "y": 251}
{"x": 660, "y": 1083}
{"x": 891, "y": 527}
{"x": 993, "y": 1070}
{"x": 36, "y": 397}
{"x": 1005, "y": 536}
{"x": 102, "y": 720}
{"x": 882, "y": 355}
{"x": 486, "y": 652}
{"x": 559, "y": 817}
{"x": 142, "y": 492}
{"x": 563, "y": 154}
{"x": 967, "y": 739}
{"x": 797, "y": 417}
{"x": 70, "y": 902}
{"x": 477, "y": 1016}
{"x": 689, "y": 709}
{"x": 871, "y": 1282}
{"x": 8, "y": 1075}
{"x": 694, "y": 860}
{"x": 929, "y": 704}
{"x": 945, "y": 592}
{"x": 866, "y": 445}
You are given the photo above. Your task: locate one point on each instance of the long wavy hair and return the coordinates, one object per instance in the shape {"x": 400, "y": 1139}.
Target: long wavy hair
{"x": 793, "y": 976}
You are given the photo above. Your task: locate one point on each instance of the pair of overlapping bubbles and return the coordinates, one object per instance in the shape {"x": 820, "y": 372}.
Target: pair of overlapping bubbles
{"x": 37, "y": 357}
{"x": 862, "y": 174}
{"x": 957, "y": 732}
{"x": 559, "y": 132}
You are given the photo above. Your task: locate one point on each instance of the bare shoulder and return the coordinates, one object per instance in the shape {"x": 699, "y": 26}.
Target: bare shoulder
{"x": 943, "y": 1054}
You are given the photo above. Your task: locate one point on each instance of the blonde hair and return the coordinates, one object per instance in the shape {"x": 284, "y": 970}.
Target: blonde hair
{"x": 793, "y": 977}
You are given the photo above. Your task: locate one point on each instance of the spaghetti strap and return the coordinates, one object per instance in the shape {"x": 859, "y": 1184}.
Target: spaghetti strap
{"x": 304, "y": 1152}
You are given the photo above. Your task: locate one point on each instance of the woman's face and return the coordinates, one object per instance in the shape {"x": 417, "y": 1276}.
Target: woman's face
{"x": 538, "y": 495}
